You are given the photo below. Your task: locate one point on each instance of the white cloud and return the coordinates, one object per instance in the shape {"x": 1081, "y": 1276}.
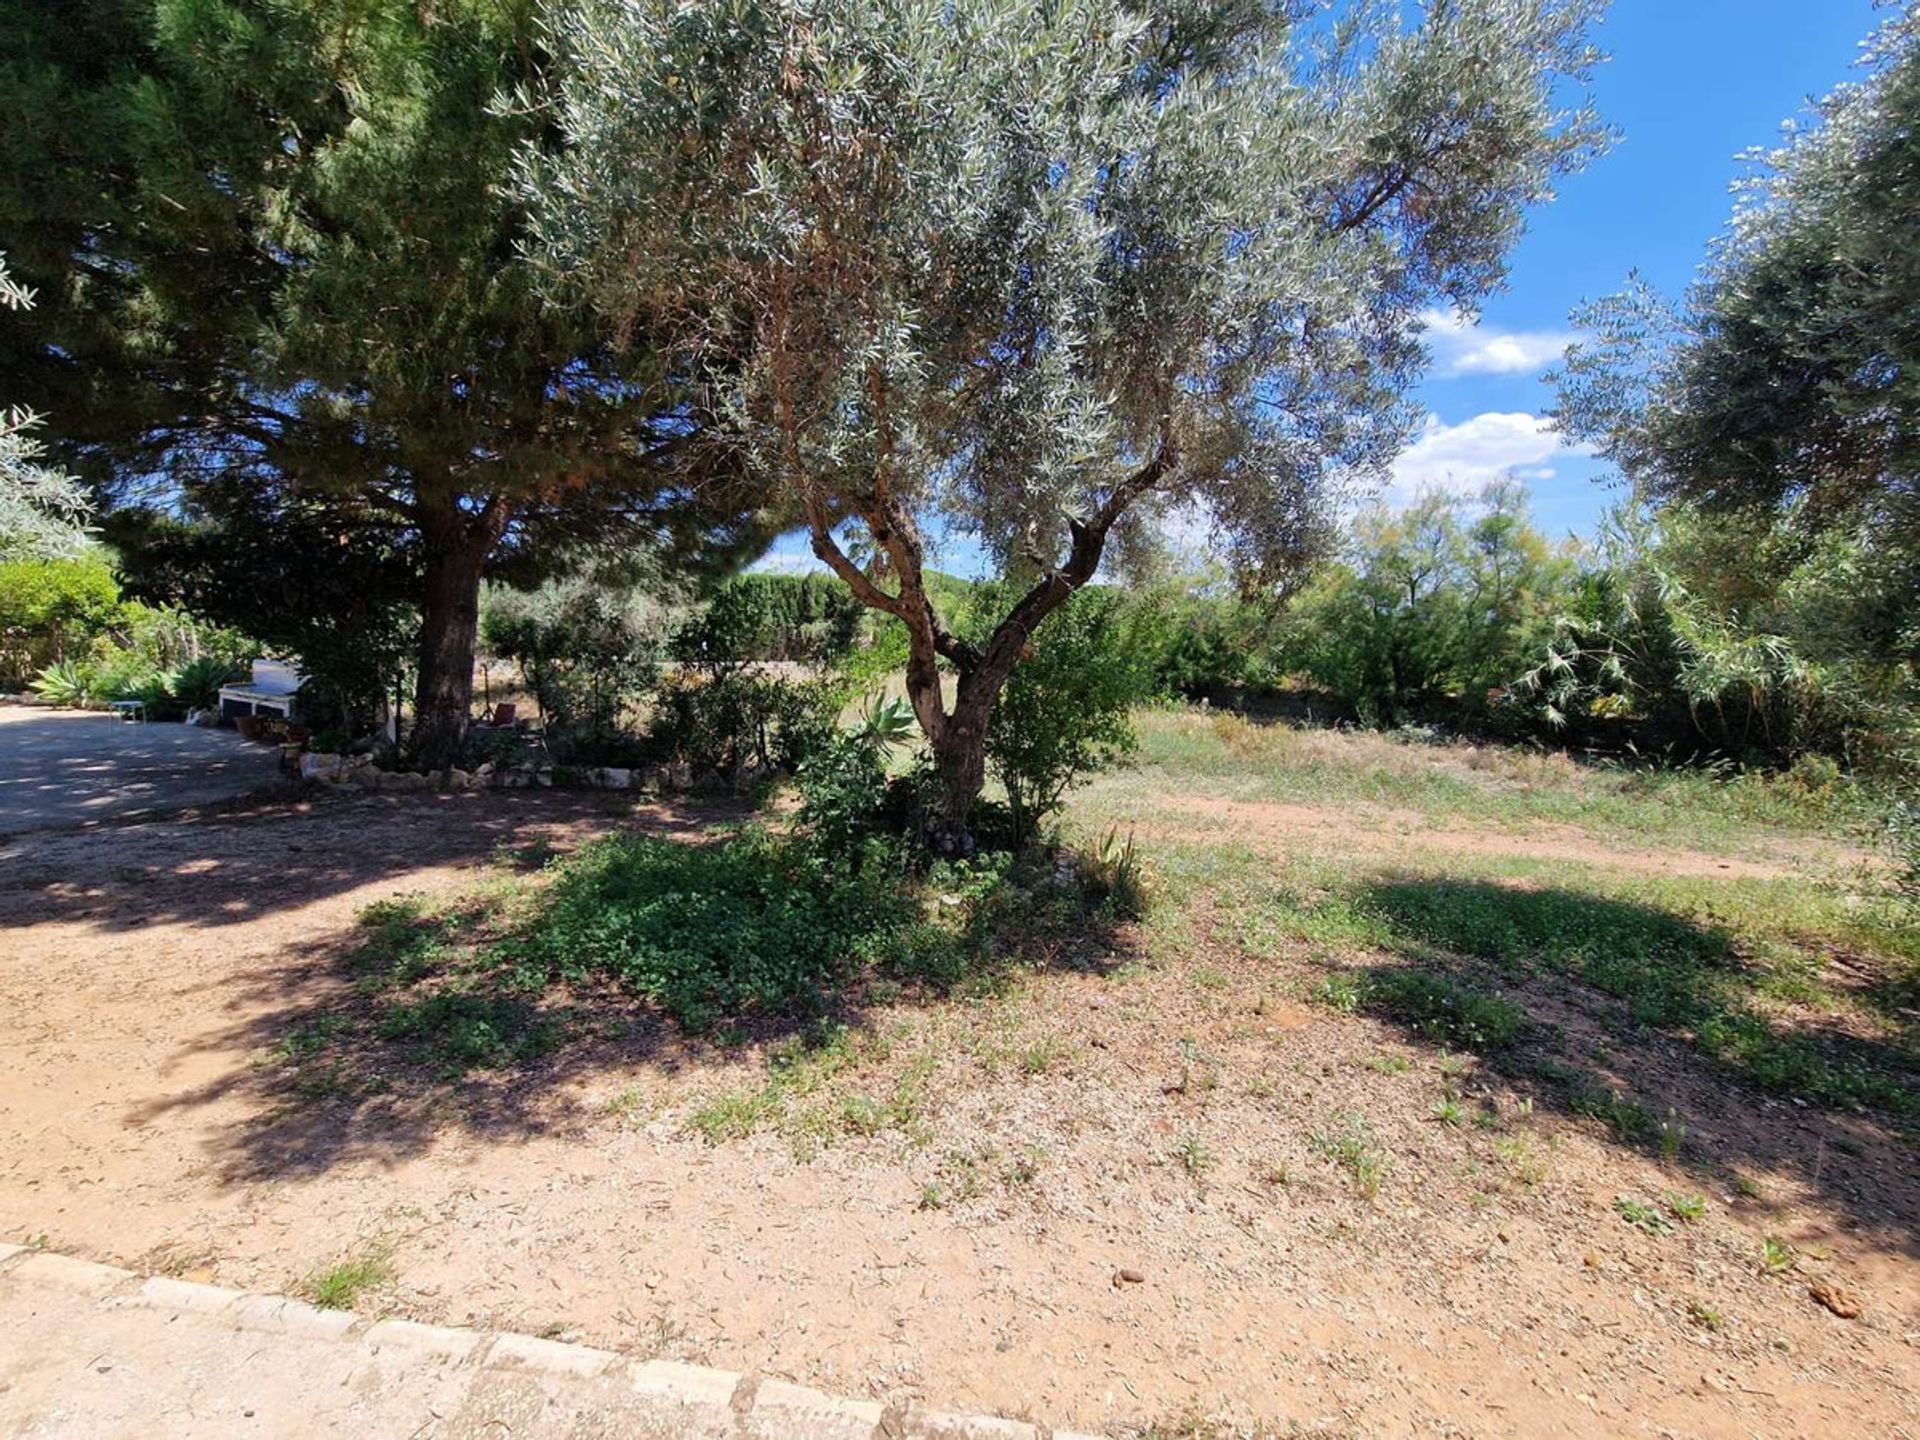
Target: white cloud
{"x": 1461, "y": 347}
{"x": 1464, "y": 457}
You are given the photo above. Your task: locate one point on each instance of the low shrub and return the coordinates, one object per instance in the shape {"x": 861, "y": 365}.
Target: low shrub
{"x": 196, "y": 684}
{"x": 769, "y": 926}
{"x": 847, "y": 798}
{"x": 722, "y": 723}
{"x": 754, "y": 924}
{"x": 586, "y": 652}
{"x": 116, "y": 673}
{"x": 1065, "y": 713}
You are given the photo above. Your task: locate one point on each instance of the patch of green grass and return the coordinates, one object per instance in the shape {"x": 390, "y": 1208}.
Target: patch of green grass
{"x": 1388, "y": 1064}
{"x": 1481, "y": 783}
{"x": 1731, "y": 962}
{"x": 803, "y": 1094}
{"x": 458, "y": 1030}
{"x": 1194, "y": 1154}
{"x": 310, "y": 1037}
{"x": 1351, "y": 1145}
{"x": 1685, "y": 1208}
{"x": 1707, "y": 1317}
{"x": 630, "y": 1105}
{"x": 342, "y": 1284}
{"x": 1777, "y": 1256}
{"x": 934, "y": 1195}
{"x": 1522, "y": 1159}
{"x": 1642, "y": 1216}
{"x": 1435, "y": 1007}
{"x": 404, "y": 941}
{"x": 1044, "y": 1056}
{"x": 1673, "y": 1135}
{"x": 1671, "y": 973}
{"x": 1588, "y": 1096}
{"x": 962, "y": 1177}
{"x": 733, "y": 1114}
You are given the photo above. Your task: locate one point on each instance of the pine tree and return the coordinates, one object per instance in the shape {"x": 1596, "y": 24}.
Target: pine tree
{"x": 278, "y": 249}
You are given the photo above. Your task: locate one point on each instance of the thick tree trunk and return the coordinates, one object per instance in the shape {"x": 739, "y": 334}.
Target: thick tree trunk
{"x": 960, "y": 760}
{"x": 958, "y": 738}
{"x": 456, "y": 555}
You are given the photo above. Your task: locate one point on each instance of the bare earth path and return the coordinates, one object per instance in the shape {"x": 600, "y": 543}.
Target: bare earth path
{"x": 1092, "y": 1277}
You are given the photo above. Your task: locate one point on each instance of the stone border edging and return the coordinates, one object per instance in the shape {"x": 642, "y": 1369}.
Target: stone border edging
{"x": 752, "y": 1406}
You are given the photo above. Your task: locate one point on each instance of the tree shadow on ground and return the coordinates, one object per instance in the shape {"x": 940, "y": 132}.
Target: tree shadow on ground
{"x": 1651, "y": 1028}
{"x": 257, "y": 858}
{"x": 430, "y": 1020}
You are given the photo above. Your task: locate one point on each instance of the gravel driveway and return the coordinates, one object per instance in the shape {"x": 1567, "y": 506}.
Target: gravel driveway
{"x": 65, "y": 768}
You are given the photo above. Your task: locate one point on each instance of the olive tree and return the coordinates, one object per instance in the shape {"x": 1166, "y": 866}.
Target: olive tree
{"x": 42, "y": 510}
{"x": 1781, "y": 395}
{"x": 1046, "y": 275}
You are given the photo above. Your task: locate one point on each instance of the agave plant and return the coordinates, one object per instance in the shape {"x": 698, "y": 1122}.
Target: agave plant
{"x": 196, "y": 684}
{"x": 65, "y": 682}
{"x": 886, "y": 723}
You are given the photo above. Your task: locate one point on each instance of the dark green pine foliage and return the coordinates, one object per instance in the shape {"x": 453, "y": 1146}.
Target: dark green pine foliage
{"x": 278, "y": 258}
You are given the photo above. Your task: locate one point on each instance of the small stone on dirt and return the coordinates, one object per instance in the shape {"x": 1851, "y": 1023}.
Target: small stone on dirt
{"x": 1840, "y": 1301}
{"x": 1128, "y": 1277}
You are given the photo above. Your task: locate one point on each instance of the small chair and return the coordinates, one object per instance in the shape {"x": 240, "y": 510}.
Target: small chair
{"x": 502, "y": 716}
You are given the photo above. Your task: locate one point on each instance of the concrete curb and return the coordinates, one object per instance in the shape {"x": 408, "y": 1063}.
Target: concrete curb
{"x": 706, "y": 1400}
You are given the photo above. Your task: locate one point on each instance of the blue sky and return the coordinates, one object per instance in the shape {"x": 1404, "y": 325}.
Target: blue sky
{"x": 1691, "y": 84}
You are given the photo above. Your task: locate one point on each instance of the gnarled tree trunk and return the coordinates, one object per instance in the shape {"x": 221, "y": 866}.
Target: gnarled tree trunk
{"x": 958, "y": 737}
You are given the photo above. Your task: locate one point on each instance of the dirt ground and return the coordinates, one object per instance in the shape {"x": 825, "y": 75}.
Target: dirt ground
{"x": 1118, "y": 1210}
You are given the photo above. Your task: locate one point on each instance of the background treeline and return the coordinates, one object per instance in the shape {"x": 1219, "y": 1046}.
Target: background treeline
{"x": 1672, "y": 635}
{"x": 1668, "y": 636}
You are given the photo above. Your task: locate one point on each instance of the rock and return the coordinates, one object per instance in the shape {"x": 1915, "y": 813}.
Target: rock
{"x": 612, "y": 778}
{"x": 368, "y": 776}
{"x": 677, "y": 777}
{"x": 322, "y": 767}
{"x": 459, "y": 780}
{"x": 1128, "y": 1277}
{"x": 1840, "y": 1301}
{"x": 485, "y": 770}
{"x": 543, "y": 777}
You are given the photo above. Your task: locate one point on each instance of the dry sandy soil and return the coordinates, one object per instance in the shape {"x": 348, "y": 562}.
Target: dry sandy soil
{"x": 1111, "y": 1210}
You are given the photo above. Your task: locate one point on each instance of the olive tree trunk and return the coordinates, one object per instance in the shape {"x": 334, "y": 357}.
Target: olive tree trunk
{"x": 958, "y": 736}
